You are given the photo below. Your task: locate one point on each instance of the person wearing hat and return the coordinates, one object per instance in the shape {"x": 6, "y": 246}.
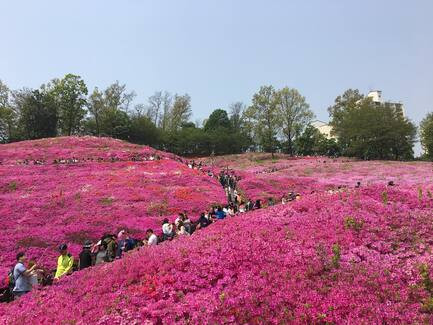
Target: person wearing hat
{"x": 85, "y": 256}
{"x": 64, "y": 262}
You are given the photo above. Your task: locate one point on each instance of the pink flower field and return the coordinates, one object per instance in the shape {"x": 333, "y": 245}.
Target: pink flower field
{"x": 353, "y": 256}
{"x": 346, "y": 258}
{"x": 263, "y": 177}
{"x": 42, "y": 206}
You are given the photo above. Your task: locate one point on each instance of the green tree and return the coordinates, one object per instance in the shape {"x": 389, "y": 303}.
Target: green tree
{"x": 187, "y": 141}
{"x": 115, "y": 123}
{"x": 70, "y": 95}
{"x": 180, "y": 112}
{"x": 263, "y": 118}
{"x": 218, "y": 119}
{"x": 312, "y": 142}
{"x": 236, "y": 111}
{"x": 96, "y": 106}
{"x": 159, "y": 108}
{"x": 306, "y": 143}
{"x": 109, "y": 111}
{"x": 143, "y": 131}
{"x": 38, "y": 115}
{"x": 295, "y": 115}
{"x": 367, "y": 130}
{"x": 117, "y": 98}
{"x": 426, "y": 135}
{"x": 7, "y": 114}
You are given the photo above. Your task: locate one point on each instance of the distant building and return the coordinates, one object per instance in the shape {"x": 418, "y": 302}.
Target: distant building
{"x": 376, "y": 97}
{"x": 323, "y": 128}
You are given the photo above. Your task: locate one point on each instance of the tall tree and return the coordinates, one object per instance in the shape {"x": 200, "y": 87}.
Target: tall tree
{"x": 180, "y": 112}
{"x": 236, "y": 111}
{"x": 264, "y": 119}
{"x": 96, "y": 106}
{"x": 143, "y": 131}
{"x": 426, "y": 135}
{"x": 159, "y": 109}
{"x": 370, "y": 131}
{"x": 7, "y": 114}
{"x": 109, "y": 110}
{"x": 38, "y": 114}
{"x": 295, "y": 115}
{"x": 70, "y": 95}
{"x": 312, "y": 142}
{"x": 218, "y": 119}
{"x": 117, "y": 98}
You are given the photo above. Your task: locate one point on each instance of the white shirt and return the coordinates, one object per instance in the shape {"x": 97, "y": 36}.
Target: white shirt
{"x": 182, "y": 231}
{"x": 153, "y": 240}
{"x": 167, "y": 228}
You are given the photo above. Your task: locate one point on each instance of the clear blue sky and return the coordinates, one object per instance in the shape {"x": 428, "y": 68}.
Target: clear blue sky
{"x": 221, "y": 51}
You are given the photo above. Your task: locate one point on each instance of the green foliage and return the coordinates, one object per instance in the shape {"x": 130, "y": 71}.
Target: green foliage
{"x": 108, "y": 111}
{"x": 312, "y": 142}
{"x": 218, "y": 119}
{"x": 180, "y": 112}
{"x": 38, "y": 114}
{"x": 385, "y": 197}
{"x": 353, "y": 224}
{"x": 426, "y": 135}
{"x": 69, "y": 94}
{"x": 12, "y": 186}
{"x": 263, "y": 118}
{"x": 294, "y": 114}
{"x": 336, "y": 257}
{"x": 115, "y": 123}
{"x": 427, "y": 305}
{"x": 368, "y": 130}
{"x": 106, "y": 201}
{"x": 427, "y": 284}
{"x": 143, "y": 131}
{"x": 7, "y": 115}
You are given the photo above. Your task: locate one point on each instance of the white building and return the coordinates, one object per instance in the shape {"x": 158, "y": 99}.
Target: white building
{"x": 376, "y": 97}
{"x": 323, "y": 128}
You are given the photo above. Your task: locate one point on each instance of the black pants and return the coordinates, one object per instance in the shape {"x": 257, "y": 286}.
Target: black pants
{"x": 18, "y": 294}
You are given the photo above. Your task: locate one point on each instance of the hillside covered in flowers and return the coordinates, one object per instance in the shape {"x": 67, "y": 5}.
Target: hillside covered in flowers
{"x": 343, "y": 253}
{"x": 263, "y": 176}
{"x": 73, "y": 189}
{"x": 352, "y": 257}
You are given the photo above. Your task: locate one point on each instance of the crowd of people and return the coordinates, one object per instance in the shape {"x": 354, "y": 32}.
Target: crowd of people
{"x": 26, "y": 274}
{"x": 75, "y": 160}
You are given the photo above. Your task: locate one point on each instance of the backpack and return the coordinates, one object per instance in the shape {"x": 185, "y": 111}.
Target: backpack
{"x": 11, "y": 279}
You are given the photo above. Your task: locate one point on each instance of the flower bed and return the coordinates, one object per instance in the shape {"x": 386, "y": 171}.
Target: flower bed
{"x": 263, "y": 177}
{"x": 42, "y": 206}
{"x": 356, "y": 257}
{"x": 81, "y": 148}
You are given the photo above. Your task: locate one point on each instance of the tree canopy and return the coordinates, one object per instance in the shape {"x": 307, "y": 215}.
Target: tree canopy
{"x": 370, "y": 131}
{"x": 426, "y": 135}
{"x": 277, "y": 120}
